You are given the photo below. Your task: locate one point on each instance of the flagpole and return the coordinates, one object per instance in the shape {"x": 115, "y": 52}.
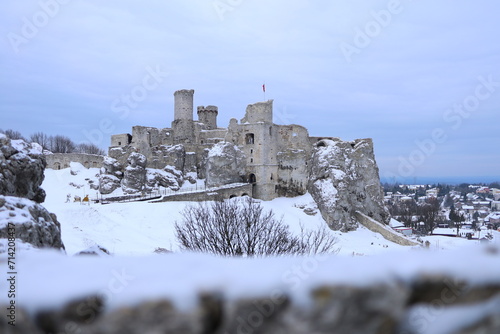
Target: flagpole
{"x": 264, "y": 89}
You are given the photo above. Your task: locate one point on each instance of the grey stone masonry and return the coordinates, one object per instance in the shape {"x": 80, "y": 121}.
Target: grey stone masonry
{"x": 278, "y": 160}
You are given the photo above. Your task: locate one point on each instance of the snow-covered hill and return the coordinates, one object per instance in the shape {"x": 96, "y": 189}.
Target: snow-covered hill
{"x": 138, "y": 228}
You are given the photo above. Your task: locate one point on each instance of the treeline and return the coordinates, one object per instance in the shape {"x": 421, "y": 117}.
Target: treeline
{"x": 55, "y": 144}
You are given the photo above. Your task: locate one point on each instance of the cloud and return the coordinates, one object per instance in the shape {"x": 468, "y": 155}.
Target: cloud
{"x": 396, "y": 89}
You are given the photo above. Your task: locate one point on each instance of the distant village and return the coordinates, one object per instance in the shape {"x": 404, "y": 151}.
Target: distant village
{"x": 466, "y": 210}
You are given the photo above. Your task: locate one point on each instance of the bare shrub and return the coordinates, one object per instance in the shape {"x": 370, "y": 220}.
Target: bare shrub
{"x": 241, "y": 227}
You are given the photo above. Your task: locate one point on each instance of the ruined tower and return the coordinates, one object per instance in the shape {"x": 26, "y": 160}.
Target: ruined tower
{"x": 260, "y": 148}
{"x": 208, "y": 116}
{"x": 182, "y": 126}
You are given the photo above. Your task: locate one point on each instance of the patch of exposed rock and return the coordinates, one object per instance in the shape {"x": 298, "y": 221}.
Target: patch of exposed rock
{"x": 30, "y": 222}
{"x": 169, "y": 177}
{"x": 21, "y": 169}
{"x": 344, "y": 179}
{"x": 134, "y": 178}
{"x": 110, "y": 176}
{"x": 225, "y": 165}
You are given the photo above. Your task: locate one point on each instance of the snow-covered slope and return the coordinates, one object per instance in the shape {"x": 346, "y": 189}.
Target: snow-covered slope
{"x": 139, "y": 228}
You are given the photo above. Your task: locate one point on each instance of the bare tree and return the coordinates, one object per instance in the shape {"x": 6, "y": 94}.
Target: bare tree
{"x": 41, "y": 138}
{"x": 89, "y": 149}
{"x": 428, "y": 213}
{"x": 62, "y": 144}
{"x": 241, "y": 227}
{"x": 13, "y": 134}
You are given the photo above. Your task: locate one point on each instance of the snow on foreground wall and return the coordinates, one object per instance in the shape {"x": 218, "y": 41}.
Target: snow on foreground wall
{"x": 417, "y": 292}
{"x": 344, "y": 179}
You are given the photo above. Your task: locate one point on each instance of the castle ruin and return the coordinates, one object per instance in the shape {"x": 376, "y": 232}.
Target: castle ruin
{"x": 276, "y": 157}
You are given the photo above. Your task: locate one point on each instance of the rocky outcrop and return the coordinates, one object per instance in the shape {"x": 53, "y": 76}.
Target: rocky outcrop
{"x": 108, "y": 183}
{"x": 110, "y": 176}
{"x": 134, "y": 178}
{"x": 225, "y": 165}
{"x": 29, "y": 222}
{"x": 21, "y": 169}
{"x": 169, "y": 177}
{"x": 344, "y": 179}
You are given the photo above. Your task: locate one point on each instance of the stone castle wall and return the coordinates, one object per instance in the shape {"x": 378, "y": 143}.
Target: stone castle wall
{"x": 62, "y": 160}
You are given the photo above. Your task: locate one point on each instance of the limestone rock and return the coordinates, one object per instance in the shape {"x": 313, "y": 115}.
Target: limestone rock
{"x": 225, "y": 165}
{"x": 121, "y": 154}
{"x": 110, "y": 176}
{"x": 32, "y": 223}
{"x": 108, "y": 183}
{"x": 21, "y": 169}
{"x": 95, "y": 250}
{"x": 75, "y": 168}
{"x": 167, "y": 178}
{"x": 134, "y": 178}
{"x": 112, "y": 166}
{"x": 344, "y": 179}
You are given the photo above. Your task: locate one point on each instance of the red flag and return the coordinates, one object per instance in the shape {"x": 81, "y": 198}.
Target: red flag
{"x": 264, "y": 88}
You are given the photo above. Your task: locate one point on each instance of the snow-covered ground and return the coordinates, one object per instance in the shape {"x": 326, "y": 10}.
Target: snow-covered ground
{"x": 132, "y": 232}
{"x": 138, "y": 228}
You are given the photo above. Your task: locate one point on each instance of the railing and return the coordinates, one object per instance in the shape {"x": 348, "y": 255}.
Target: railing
{"x": 145, "y": 196}
{"x": 159, "y": 193}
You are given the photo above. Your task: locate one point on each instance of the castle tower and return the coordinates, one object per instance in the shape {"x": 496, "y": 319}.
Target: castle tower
{"x": 208, "y": 116}
{"x": 259, "y": 112}
{"x": 183, "y": 104}
{"x": 182, "y": 126}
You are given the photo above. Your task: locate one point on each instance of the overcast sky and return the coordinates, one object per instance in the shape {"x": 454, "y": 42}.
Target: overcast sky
{"x": 422, "y": 78}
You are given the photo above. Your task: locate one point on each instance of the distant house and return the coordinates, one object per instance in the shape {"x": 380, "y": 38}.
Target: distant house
{"x": 432, "y": 192}
{"x": 404, "y": 230}
{"x": 469, "y": 209}
{"x": 495, "y": 206}
{"x": 399, "y": 227}
{"x": 464, "y": 232}
{"x": 397, "y": 197}
{"x": 496, "y": 193}
{"x": 483, "y": 190}
{"x": 493, "y": 218}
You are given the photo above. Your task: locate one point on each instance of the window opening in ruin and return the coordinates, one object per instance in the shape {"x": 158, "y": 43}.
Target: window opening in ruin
{"x": 249, "y": 138}
{"x": 251, "y": 160}
{"x": 271, "y": 176}
{"x": 252, "y": 178}
{"x": 119, "y": 143}
{"x": 270, "y": 130}
{"x": 251, "y": 151}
